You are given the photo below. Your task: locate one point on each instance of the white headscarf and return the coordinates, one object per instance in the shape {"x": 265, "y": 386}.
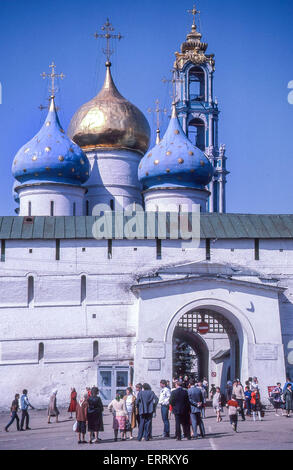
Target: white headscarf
{"x": 83, "y": 398}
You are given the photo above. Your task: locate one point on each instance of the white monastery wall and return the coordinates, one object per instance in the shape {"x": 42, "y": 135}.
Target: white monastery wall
{"x": 68, "y": 321}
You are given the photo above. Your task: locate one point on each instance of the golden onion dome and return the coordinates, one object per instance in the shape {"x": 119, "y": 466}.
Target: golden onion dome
{"x": 110, "y": 121}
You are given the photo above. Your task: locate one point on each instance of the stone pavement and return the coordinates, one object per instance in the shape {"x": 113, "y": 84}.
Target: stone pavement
{"x": 272, "y": 433}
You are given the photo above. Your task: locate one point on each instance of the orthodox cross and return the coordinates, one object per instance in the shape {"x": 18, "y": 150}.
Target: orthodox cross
{"x": 53, "y": 75}
{"x": 108, "y": 29}
{"x": 53, "y": 89}
{"x": 173, "y": 81}
{"x": 194, "y": 12}
{"x": 157, "y": 110}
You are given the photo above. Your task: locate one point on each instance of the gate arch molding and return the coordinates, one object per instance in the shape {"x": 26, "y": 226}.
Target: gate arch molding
{"x": 238, "y": 319}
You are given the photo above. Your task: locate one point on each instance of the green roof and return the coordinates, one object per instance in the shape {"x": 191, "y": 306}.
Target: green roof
{"x": 220, "y": 226}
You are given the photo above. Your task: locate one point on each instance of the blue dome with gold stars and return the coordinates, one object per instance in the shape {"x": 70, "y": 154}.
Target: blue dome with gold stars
{"x": 175, "y": 161}
{"x": 51, "y": 156}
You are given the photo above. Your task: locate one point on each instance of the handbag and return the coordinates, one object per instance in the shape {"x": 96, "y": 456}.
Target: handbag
{"x": 128, "y": 426}
{"x": 74, "y": 427}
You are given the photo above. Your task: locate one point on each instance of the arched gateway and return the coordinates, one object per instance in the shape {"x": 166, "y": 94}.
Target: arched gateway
{"x": 211, "y": 326}
{"x": 206, "y": 344}
{"x": 220, "y": 350}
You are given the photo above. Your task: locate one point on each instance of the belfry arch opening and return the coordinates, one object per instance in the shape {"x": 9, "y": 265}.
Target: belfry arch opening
{"x": 196, "y": 84}
{"x": 214, "y": 353}
{"x": 196, "y": 133}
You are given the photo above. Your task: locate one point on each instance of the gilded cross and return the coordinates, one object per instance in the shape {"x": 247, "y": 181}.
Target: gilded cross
{"x": 173, "y": 81}
{"x": 157, "y": 110}
{"x": 53, "y": 75}
{"x": 194, "y": 12}
{"x": 108, "y": 29}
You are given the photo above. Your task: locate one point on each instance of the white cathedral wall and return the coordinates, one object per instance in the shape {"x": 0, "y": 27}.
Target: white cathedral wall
{"x": 109, "y": 314}
{"x": 113, "y": 176}
{"x": 172, "y": 199}
{"x": 40, "y": 196}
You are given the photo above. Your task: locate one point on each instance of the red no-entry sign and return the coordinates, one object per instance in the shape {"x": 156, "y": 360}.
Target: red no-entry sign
{"x": 203, "y": 328}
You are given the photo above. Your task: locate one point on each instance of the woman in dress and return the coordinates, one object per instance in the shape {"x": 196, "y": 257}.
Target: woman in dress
{"x": 52, "y": 407}
{"x": 131, "y": 411}
{"x": 118, "y": 408}
{"x": 217, "y": 403}
{"x": 81, "y": 418}
{"x": 277, "y": 398}
{"x": 95, "y": 415}
{"x": 72, "y": 405}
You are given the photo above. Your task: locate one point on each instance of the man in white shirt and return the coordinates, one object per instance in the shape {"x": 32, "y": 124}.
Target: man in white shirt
{"x": 164, "y": 402}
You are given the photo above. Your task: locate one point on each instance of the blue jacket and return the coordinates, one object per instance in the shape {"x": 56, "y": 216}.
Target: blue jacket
{"x": 286, "y": 385}
{"x": 195, "y": 396}
{"x": 247, "y": 394}
{"x": 146, "y": 402}
{"x": 24, "y": 403}
{"x": 179, "y": 401}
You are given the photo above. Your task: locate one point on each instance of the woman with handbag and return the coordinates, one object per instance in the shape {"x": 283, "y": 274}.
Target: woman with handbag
{"x": 118, "y": 408}
{"x": 81, "y": 418}
{"x": 130, "y": 400}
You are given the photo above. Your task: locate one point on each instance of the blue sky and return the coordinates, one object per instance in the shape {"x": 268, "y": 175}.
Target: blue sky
{"x": 253, "y": 46}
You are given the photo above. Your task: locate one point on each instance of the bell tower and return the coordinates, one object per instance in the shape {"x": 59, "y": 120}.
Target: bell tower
{"x": 197, "y": 108}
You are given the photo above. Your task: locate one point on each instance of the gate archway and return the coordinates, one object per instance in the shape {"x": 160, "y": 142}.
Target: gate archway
{"x": 217, "y": 350}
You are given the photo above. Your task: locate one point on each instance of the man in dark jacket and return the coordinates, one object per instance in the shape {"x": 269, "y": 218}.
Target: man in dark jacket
{"x": 181, "y": 408}
{"x": 146, "y": 403}
{"x": 14, "y": 415}
{"x": 196, "y": 402}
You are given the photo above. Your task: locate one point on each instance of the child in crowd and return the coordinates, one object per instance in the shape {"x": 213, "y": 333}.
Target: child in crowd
{"x": 233, "y": 407}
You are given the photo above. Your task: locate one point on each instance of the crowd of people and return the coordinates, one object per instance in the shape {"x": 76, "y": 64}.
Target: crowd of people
{"x": 186, "y": 400}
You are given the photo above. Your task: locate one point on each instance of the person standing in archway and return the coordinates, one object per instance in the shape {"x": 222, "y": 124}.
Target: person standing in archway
{"x": 205, "y": 395}
{"x": 229, "y": 389}
{"x": 217, "y": 403}
{"x": 181, "y": 408}
{"x": 196, "y": 401}
{"x": 240, "y": 397}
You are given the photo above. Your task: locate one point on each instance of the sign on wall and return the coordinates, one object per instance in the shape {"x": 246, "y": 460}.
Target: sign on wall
{"x": 203, "y": 328}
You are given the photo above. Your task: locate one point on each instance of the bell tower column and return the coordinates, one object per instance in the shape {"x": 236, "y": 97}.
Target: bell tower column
{"x": 198, "y": 109}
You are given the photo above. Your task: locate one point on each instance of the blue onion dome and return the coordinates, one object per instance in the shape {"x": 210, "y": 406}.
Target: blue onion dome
{"x": 175, "y": 161}
{"x": 14, "y": 192}
{"x": 51, "y": 156}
